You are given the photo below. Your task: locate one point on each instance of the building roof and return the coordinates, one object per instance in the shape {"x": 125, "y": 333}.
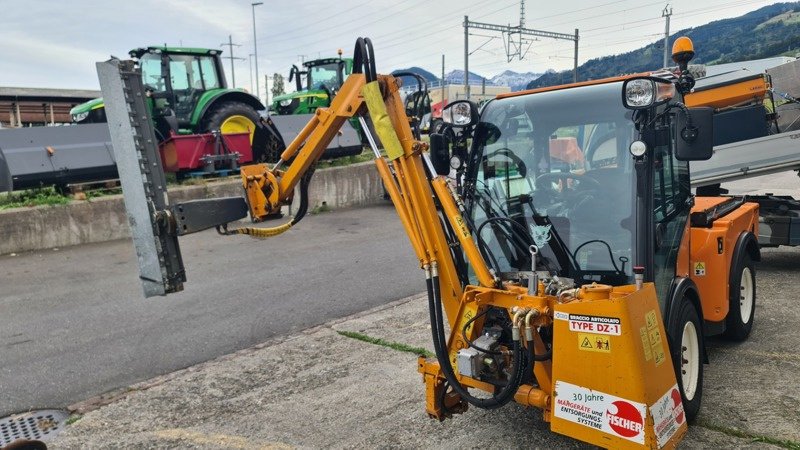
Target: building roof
{"x": 22, "y": 93}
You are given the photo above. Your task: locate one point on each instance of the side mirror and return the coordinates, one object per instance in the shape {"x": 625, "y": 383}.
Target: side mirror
{"x": 440, "y": 153}
{"x": 694, "y": 134}
{"x": 461, "y": 113}
{"x": 644, "y": 92}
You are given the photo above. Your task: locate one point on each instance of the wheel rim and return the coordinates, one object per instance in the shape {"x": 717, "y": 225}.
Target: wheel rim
{"x": 238, "y": 124}
{"x": 746, "y": 295}
{"x": 690, "y": 360}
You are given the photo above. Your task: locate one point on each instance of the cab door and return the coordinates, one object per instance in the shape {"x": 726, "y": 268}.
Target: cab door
{"x": 671, "y": 206}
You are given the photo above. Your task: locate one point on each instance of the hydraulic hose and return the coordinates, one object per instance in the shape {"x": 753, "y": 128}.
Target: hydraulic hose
{"x": 516, "y": 372}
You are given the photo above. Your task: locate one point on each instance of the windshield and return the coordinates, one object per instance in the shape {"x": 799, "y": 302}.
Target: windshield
{"x": 327, "y": 74}
{"x": 557, "y": 164}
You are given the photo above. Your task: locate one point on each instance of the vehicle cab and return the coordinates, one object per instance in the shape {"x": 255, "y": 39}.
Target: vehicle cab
{"x": 323, "y": 79}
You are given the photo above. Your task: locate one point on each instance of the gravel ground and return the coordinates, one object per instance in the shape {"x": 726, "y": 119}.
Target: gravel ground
{"x": 319, "y": 388}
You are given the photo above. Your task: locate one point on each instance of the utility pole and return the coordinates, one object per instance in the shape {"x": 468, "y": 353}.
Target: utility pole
{"x": 251, "y": 73}
{"x": 575, "y": 63}
{"x": 666, "y": 13}
{"x": 266, "y": 89}
{"x": 466, "y": 56}
{"x": 255, "y": 44}
{"x": 443, "y": 105}
{"x": 230, "y": 45}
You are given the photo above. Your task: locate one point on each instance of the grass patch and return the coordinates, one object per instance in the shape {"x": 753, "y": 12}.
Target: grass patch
{"x": 44, "y": 196}
{"x": 102, "y": 192}
{"x": 73, "y": 418}
{"x": 364, "y": 156}
{"x": 384, "y": 343}
{"x": 785, "y": 443}
{"x": 319, "y": 209}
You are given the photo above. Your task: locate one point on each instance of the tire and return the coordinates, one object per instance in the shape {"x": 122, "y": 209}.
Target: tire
{"x": 231, "y": 117}
{"x": 739, "y": 321}
{"x": 686, "y": 344}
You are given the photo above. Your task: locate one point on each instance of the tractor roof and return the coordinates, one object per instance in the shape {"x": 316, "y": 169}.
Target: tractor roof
{"x": 138, "y": 52}
{"x": 574, "y": 85}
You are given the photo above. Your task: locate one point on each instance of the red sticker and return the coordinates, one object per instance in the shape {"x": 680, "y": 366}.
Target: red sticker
{"x": 677, "y": 406}
{"x": 625, "y": 420}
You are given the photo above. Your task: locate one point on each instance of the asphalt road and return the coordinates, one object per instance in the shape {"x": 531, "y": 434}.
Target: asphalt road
{"x": 74, "y": 323}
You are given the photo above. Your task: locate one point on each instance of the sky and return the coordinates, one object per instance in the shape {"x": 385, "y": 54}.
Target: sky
{"x": 55, "y": 43}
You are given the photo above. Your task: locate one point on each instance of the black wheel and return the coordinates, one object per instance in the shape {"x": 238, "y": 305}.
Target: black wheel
{"x": 231, "y": 117}
{"x": 742, "y": 287}
{"x": 686, "y": 349}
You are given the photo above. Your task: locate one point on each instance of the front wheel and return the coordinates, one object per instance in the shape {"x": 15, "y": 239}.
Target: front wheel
{"x": 686, "y": 349}
{"x": 739, "y": 321}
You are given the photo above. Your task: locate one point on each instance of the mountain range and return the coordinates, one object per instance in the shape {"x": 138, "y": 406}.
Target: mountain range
{"x": 517, "y": 81}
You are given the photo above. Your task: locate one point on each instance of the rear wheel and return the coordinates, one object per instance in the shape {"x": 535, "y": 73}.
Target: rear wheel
{"x": 686, "y": 350}
{"x": 742, "y": 287}
{"x": 232, "y": 117}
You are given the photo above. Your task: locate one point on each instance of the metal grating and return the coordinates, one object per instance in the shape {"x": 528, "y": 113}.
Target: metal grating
{"x": 41, "y": 425}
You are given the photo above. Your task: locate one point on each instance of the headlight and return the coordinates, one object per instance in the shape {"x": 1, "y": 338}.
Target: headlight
{"x": 639, "y": 93}
{"x": 285, "y": 102}
{"x": 460, "y": 113}
{"x": 80, "y": 116}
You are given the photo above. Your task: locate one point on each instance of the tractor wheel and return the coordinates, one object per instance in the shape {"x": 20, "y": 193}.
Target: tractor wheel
{"x": 232, "y": 117}
{"x": 742, "y": 300}
{"x": 686, "y": 349}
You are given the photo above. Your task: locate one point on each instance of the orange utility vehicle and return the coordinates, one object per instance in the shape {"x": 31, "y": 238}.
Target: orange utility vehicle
{"x": 575, "y": 270}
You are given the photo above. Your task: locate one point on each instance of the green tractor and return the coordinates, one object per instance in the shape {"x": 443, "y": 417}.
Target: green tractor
{"x": 190, "y": 82}
{"x": 324, "y": 77}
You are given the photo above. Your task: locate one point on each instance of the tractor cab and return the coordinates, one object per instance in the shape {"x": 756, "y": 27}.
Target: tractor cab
{"x": 326, "y": 73}
{"x": 599, "y": 184}
{"x": 559, "y": 168}
{"x": 179, "y": 77}
{"x": 315, "y": 85}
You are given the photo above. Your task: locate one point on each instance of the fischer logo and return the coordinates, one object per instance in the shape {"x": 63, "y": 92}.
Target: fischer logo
{"x": 677, "y": 406}
{"x": 625, "y": 419}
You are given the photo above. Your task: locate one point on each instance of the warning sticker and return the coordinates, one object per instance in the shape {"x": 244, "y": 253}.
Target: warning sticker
{"x": 648, "y": 355}
{"x": 600, "y": 411}
{"x": 652, "y": 338}
{"x": 699, "y": 269}
{"x": 595, "y": 324}
{"x": 668, "y": 415}
{"x": 651, "y": 319}
{"x": 594, "y": 343}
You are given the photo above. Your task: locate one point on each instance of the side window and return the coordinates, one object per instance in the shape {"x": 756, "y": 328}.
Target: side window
{"x": 670, "y": 183}
{"x": 179, "y": 74}
{"x": 151, "y": 71}
{"x": 209, "y": 71}
{"x": 670, "y": 192}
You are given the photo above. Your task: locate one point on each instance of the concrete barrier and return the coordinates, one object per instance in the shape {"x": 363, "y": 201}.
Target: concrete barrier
{"x": 103, "y": 219}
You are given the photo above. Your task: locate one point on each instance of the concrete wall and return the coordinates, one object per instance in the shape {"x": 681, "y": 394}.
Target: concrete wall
{"x": 103, "y": 219}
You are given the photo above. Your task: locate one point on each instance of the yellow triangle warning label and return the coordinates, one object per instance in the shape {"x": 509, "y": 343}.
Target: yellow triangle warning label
{"x": 585, "y": 343}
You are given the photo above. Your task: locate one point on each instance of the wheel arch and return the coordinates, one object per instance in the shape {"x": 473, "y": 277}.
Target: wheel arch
{"x": 225, "y": 97}
{"x": 747, "y": 242}
{"x": 684, "y": 287}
